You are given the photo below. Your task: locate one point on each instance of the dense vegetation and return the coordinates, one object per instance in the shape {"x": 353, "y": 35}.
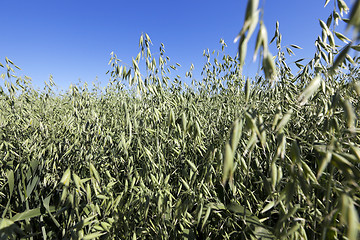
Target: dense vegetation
{"x": 153, "y": 158}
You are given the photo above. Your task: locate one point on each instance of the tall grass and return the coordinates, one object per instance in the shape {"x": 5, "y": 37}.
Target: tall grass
{"x": 149, "y": 158}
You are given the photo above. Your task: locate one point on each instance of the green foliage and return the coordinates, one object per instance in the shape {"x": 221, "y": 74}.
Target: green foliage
{"x": 225, "y": 158}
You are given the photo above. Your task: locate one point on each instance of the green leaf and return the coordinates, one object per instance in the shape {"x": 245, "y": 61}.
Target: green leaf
{"x": 237, "y": 208}
{"x": 242, "y": 49}
{"x": 207, "y": 214}
{"x": 350, "y": 115}
{"x": 324, "y": 163}
{"x": 357, "y": 87}
{"x": 356, "y": 47}
{"x": 65, "y": 180}
{"x": 228, "y": 163}
{"x": 251, "y": 8}
{"x": 341, "y": 162}
{"x": 10, "y": 176}
{"x": 295, "y": 152}
{"x": 30, "y": 187}
{"x": 269, "y": 66}
{"x": 324, "y": 27}
{"x": 94, "y": 173}
{"x": 259, "y": 42}
{"x": 340, "y": 58}
{"x": 295, "y": 46}
{"x": 289, "y": 51}
{"x": 329, "y": 20}
{"x": 354, "y": 19}
{"x": 192, "y": 165}
{"x": 46, "y": 203}
{"x": 186, "y": 185}
{"x": 260, "y": 230}
{"x": 28, "y": 214}
{"x": 356, "y": 151}
{"x": 352, "y": 222}
{"x": 350, "y": 59}
{"x": 141, "y": 41}
{"x": 308, "y": 172}
{"x": 284, "y": 120}
{"x": 77, "y": 181}
{"x": 268, "y": 206}
{"x": 326, "y": 2}
{"x": 342, "y": 7}
{"x": 9, "y": 227}
{"x": 309, "y": 90}
{"x": 262, "y": 233}
{"x": 273, "y": 174}
{"x": 247, "y": 90}
{"x": 342, "y": 37}
{"x": 188, "y": 234}
{"x": 235, "y": 135}
{"x": 5, "y": 223}
{"x": 291, "y": 231}
{"x": 349, "y": 216}
{"x": 94, "y": 235}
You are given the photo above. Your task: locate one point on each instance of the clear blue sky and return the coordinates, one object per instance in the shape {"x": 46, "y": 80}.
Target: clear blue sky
{"x": 72, "y": 40}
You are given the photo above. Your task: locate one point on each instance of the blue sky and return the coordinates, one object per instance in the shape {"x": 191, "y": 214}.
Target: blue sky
{"x": 72, "y": 40}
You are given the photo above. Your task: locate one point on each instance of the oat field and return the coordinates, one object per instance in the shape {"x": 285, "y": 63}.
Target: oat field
{"x": 223, "y": 157}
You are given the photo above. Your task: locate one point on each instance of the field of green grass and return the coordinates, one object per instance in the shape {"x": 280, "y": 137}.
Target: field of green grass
{"x": 226, "y": 157}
